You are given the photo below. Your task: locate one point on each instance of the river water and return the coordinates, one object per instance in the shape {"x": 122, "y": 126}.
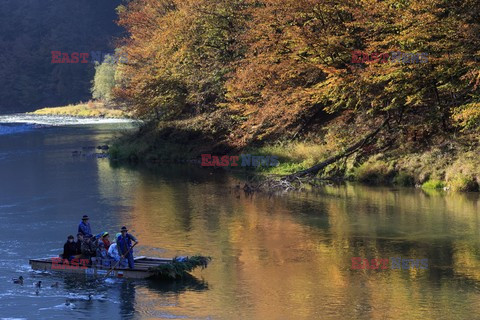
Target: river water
{"x": 274, "y": 256}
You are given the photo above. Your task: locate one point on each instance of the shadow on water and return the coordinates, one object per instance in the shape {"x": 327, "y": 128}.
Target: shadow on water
{"x": 188, "y": 173}
{"x": 187, "y": 283}
{"x": 86, "y": 292}
{"x": 100, "y": 285}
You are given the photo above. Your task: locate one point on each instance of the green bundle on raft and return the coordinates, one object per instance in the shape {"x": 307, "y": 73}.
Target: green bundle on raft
{"x": 179, "y": 267}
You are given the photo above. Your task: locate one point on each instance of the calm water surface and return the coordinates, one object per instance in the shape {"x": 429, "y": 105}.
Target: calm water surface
{"x": 275, "y": 257}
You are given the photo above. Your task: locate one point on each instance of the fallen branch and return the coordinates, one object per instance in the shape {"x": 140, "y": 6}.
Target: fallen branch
{"x": 350, "y": 150}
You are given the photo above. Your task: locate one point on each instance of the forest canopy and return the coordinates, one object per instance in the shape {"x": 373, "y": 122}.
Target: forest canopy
{"x": 279, "y": 65}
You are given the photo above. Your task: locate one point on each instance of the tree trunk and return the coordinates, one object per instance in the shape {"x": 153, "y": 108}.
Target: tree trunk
{"x": 350, "y": 150}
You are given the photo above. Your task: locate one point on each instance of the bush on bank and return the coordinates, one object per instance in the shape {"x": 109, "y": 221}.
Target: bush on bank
{"x": 463, "y": 174}
{"x": 433, "y": 184}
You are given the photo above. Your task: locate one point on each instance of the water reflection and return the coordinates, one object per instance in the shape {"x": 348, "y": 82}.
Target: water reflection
{"x": 274, "y": 256}
{"x": 127, "y": 298}
{"x": 133, "y": 298}
{"x": 281, "y": 256}
{"x": 187, "y": 283}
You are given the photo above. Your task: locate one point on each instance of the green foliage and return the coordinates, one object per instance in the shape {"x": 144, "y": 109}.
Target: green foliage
{"x": 127, "y": 152}
{"x": 177, "y": 269}
{"x": 167, "y": 142}
{"x": 104, "y": 80}
{"x": 292, "y": 156}
{"x": 433, "y": 184}
{"x": 284, "y": 168}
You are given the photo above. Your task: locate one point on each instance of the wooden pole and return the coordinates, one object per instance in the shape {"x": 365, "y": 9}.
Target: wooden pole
{"x": 122, "y": 257}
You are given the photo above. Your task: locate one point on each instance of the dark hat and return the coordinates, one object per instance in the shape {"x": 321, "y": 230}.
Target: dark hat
{"x": 85, "y": 217}
{"x": 124, "y": 229}
{"x": 70, "y": 237}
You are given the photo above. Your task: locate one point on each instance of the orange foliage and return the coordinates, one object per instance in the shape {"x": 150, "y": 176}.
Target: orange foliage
{"x": 277, "y": 62}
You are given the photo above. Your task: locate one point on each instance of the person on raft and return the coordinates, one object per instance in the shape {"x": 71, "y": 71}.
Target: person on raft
{"x": 113, "y": 250}
{"x": 106, "y": 240}
{"x": 124, "y": 244}
{"x": 84, "y": 227}
{"x": 88, "y": 248}
{"x": 79, "y": 242}
{"x": 69, "y": 249}
{"x": 102, "y": 249}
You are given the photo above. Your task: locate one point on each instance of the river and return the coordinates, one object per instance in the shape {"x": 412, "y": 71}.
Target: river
{"x": 283, "y": 256}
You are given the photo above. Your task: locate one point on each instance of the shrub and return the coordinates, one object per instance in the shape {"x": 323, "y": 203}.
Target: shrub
{"x": 374, "y": 172}
{"x": 433, "y": 184}
{"x": 462, "y": 175}
{"x": 404, "y": 179}
{"x": 428, "y": 165}
{"x": 463, "y": 183}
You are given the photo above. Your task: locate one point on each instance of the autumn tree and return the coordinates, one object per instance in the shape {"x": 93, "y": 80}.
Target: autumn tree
{"x": 292, "y": 48}
{"x": 282, "y": 64}
{"x": 179, "y": 54}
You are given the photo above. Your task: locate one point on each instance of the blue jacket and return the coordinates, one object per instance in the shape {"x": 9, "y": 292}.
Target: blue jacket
{"x": 101, "y": 250}
{"x": 84, "y": 228}
{"x": 125, "y": 243}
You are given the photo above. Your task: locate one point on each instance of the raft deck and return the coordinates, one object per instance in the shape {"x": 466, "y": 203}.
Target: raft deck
{"x": 141, "y": 271}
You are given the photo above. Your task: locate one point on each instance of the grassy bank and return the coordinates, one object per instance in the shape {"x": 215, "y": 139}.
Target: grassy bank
{"x": 91, "y": 109}
{"x": 453, "y": 167}
{"x": 444, "y": 164}
{"x": 175, "y": 141}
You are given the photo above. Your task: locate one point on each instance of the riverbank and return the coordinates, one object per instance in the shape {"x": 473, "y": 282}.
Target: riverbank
{"x": 91, "y": 109}
{"x": 433, "y": 162}
{"x": 283, "y": 89}
{"x": 449, "y": 165}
